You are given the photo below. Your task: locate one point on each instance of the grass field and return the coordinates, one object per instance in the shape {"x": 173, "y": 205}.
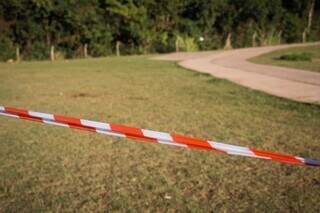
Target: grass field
{"x": 273, "y": 58}
{"x": 47, "y": 168}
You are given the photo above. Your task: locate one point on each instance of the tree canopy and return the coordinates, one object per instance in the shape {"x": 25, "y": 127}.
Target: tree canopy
{"x": 147, "y": 26}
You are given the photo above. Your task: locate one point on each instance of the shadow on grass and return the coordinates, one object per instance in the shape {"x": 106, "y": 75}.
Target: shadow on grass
{"x": 201, "y": 74}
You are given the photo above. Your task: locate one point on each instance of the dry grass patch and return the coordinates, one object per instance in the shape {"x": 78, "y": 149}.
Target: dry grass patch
{"x": 46, "y": 168}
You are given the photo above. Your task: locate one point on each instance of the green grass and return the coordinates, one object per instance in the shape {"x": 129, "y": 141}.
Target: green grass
{"x": 284, "y": 58}
{"x": 296, "y": 57}
{"x": 47, "y": 168}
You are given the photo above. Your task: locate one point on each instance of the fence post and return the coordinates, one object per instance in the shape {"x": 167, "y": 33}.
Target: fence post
{"x": 17, "y": 54}
{"x": 118, "y": 48}
{"x": 52, "y": 53}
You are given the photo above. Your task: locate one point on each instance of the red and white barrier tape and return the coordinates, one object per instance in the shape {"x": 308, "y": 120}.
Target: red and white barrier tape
{"x": 152, "y": 136}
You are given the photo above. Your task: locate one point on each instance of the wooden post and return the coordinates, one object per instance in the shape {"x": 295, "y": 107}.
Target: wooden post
{"x": 118, "y": 48}
{"x": 17, "y": 54}
{"x": 254, "y": 39}
{"x": 228, "y": 42}
{"x": 85, "y": 50}
{"x": 52, "y": 53}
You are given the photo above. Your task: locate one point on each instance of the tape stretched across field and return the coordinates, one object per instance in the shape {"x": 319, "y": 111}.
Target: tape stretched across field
{"x": 152, "y": 136}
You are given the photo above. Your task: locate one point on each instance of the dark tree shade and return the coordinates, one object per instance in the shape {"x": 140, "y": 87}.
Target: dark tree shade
{"x": 80, "y": 28}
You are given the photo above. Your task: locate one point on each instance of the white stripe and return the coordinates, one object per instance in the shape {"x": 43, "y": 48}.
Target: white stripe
{"x": 111, "y": 133}
{"x": 247, "y": 155}
{"x": 55, "y": 123}
{"x": 232, "y": 149}
{"x": 300, "y": 158}
{"x": 41, "y": 115}
{"x": 263, "y": 157}
{"x": 240, "y": 153}
{"x": 94, "y": 124}
{"x": 157, "y": 135}
{"x": 172, "y": 143}
{"x": 9, "y": 115}
{"x": 235, "y": 150}
{"x": 1, "y": 108}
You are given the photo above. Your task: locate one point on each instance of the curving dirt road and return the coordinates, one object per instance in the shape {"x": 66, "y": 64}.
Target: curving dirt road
{"x": 295, "y": 84}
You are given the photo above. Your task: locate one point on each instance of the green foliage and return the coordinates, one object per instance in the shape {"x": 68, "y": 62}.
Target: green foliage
{"x": 304, "y": 56}
{"x": 161, "y": 43}
{"x": 272, "y": 37}
{"x": 98, "y": 49}
{"x": 272, "y": 58}
{"x": 7, "y": 49}
{"x": 60, "y": 55}
{"x": 293, "y": 28}
{"x": 38, "y": 51}
{"x": 187, "y": 44}
{"x": 147, "y": 26}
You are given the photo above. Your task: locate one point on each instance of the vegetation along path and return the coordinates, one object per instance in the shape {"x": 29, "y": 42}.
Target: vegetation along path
{"x": 295, "y": 84}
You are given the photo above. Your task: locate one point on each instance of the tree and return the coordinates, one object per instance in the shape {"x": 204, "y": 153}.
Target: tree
{"x": 308, "y": 27}
{"x": 39, "y": 29}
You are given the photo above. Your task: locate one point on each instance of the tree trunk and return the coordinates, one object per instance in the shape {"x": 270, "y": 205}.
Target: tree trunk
{"x": 17, "y": 54}
{"x": 306, "y": 31}
{"x": 304, "y": 36}
{"x": 228, "y": 42}
{"x": 279, "y": 37}
{"x": 85, "y": 50}
{"x": 310, "y": 15}
{"x": 118, "y": 48}
{"x": 52, "y": 53}
{"x": 254, "y": 39}
{"x": 177, "y": 45}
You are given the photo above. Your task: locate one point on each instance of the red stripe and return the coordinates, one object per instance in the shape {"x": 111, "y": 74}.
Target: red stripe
{"x": 136, "y": 133}
{"x": 91, "y": 129}
{"x": 71, "y": 121}
{"x": 74, "y": 126}
{"x": 131, "y": 132}
{"x": 74, "y": 123}
{"x": 126, "y": 130}
{"x": 30, "y": 118}
{"x": 22, "y": 113}
{"x": 16, "y": 111}
{"x": 194, "y": 142}
{"x": 276, "y": 156}
{"x": 147, "y": 139}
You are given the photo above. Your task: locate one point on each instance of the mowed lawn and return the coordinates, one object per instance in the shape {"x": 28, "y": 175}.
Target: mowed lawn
{"x": 48, "y": 168}
{"x": 272, "y": 58}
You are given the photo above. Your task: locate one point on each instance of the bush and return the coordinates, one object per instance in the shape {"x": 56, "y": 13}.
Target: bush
{"x": 7, "y": 49}
{"x": 296, "y": 57}
{"x": 59, "y": 55}
{"x": 293, "y": 28}
{"x": 163, "y": 43}
{"x": 38, "y": 51}
{"x": 210, "y": 42}
{"x": 98, "y": 50}
{"x": 268, "y": 37}
{"x": 187, "y": 44}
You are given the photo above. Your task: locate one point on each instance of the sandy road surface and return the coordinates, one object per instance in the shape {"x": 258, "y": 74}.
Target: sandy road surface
{"x": 289, "y": 83}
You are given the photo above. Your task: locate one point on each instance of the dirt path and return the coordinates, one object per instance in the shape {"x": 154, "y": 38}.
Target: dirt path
{"x": 289, "y": 83}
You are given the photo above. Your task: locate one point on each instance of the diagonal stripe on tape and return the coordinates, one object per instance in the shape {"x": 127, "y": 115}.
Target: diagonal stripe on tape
{"x": 152, "y": 136}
